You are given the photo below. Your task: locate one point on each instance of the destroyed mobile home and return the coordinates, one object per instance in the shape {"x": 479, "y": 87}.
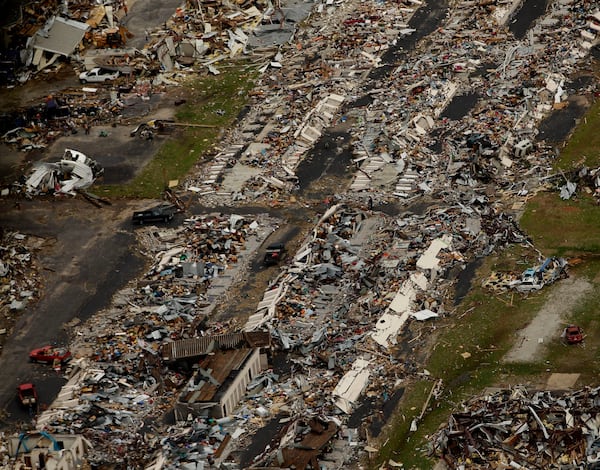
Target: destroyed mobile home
{"x": 74, "y": 172}
{"x": 50, "y": 451}
{"x": 518, "y": 428}
{"x": 354, "y": 291}
{"x": 134, "y": 69}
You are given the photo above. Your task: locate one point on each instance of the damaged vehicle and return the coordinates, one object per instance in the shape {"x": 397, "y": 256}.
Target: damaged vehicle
{"x": 160, "y": 213}
{"x": 531, "y": 279}
{"x": 98, "y": 75}
{"x": 535, "y": 278}
{"x": 274, "y": 254}
{"x": 573, "y": 334}
{"x": 27, "y": 395}
{"x": 50, "y": 355}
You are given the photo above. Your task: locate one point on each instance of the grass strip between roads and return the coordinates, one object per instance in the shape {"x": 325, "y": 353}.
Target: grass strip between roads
{"x": 214, "y": 101}
{"x": 467, "y": 347}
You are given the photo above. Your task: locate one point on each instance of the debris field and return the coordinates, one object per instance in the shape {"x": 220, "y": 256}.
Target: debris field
{"x": 436, "y": 115}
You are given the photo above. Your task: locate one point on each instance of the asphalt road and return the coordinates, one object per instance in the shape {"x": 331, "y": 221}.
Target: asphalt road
{"x": 89, "y": 255}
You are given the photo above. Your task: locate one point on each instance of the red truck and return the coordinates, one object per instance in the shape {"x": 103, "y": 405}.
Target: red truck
{"x": 27, "y": 395}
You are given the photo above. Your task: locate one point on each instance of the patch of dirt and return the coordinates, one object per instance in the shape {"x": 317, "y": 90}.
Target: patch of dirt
{"x": 562, "y": 381}
{"x": 549, "y": 321}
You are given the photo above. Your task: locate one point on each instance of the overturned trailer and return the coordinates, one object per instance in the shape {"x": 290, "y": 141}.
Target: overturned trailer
{"x": 74, "y": 171}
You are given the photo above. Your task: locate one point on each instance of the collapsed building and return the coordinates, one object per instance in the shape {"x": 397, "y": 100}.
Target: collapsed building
{"x": 228, "y": 363}
{"x": 45, "y": 450}
{"x": 518, "y": 428}
{"x": 75, "y": 171}
{"x": 360, "y": 282}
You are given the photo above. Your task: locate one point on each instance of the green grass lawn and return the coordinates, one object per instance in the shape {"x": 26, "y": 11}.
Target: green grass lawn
{"x": 584, "y": 146}
{"x": 569, "y": 228}
{"x": 563, "y": 228}
{"x": 212, "y": 101}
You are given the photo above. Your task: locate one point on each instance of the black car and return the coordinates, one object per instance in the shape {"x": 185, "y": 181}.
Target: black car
{"x": 161, "y": 213}
{"x": 274, "y": 254}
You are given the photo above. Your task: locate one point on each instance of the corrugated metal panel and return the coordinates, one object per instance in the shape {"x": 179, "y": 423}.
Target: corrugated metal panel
{"x": 193, "y": 347}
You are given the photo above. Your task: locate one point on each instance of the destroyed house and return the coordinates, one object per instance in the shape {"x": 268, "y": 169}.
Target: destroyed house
{"x": 226, "y": 364}
{"x": 42, "y": 450}
{"x": 307, "y": 443}
{"x": 59, "y": 37}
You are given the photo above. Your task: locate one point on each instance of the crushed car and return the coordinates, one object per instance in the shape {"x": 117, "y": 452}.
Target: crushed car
{"x": 535, "y": 278}
{"x": 50, "y": 355}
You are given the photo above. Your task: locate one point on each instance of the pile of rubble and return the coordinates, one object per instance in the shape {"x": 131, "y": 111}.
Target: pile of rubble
{"x": 462, "y": 114}
{"x": 74, "y": 172}
{"x": 19, "y": 282}
{"x": 532, "y": 279}
{"x": 206, "y": 255}
{"x": 583, "y": 178}
{"x": 118, "y": 380}
{"x": 344, "y": 308}
{"x": 523, "y": 429}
